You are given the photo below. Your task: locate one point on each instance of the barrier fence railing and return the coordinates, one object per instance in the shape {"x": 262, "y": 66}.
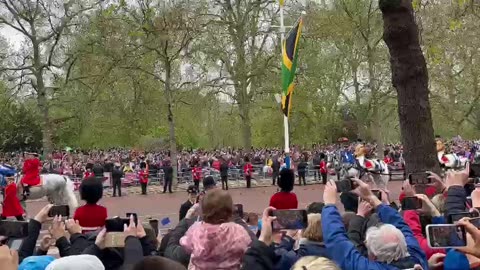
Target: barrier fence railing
{"x": 185, "y": 176}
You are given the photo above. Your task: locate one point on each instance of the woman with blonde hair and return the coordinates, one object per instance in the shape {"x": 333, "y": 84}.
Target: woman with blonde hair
{"x": 311, "y": 244}
{"x": 315, "y": 263}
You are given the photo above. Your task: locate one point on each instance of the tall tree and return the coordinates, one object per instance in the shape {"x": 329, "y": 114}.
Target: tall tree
{"x": 44, "y": 26}
{"x": 240, "y": 38}
{"x": 410, "y": 79}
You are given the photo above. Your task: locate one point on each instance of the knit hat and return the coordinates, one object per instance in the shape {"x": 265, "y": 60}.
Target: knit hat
{"x": 36, "y": 263}
{"x": 77, "y": 262}
{"x": 455, "y": 261}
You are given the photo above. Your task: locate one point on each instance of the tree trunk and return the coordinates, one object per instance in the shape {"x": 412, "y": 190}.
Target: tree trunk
{"x": 410, "y": 79}
{"x": 171, "y": 121}
{"x": 42, "y": 101}
{"x": 246, "y": 126}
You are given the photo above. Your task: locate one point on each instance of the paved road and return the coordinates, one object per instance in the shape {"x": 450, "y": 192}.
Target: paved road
{"x": 167, "y": 205}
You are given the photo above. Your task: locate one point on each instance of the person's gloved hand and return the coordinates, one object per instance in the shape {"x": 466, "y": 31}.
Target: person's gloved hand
{"x": 8, "y": 258}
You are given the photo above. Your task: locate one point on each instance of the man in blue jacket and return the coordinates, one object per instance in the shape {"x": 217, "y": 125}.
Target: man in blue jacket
{"x": 390, "y": 246}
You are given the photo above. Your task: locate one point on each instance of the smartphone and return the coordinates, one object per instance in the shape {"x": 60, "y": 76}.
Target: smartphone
{"x": 294, "y": 219}
{"x": 238, "y": 210}
{"x": 377, "y": 193}
{"x": 474, "y": 171}
{"x": 411, "y": 203}
{"x": 469, "y": 201}
{"x": 115, "y": 240}
{"x": 15, "y": 244}
{"x": 344, "y": 185}
{"x": 116, "y": 224}
{"x": 446, "y": 236}
{"x": 135, "y": 218}
{"x": 419, "y": 178}
{"x": 14, "y": 229}
{"x": 452, "y": 218}
{"x": 59, "y": 210}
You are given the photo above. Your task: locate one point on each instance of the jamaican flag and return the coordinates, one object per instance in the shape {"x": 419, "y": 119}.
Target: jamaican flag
{"x": 289, "y": 65}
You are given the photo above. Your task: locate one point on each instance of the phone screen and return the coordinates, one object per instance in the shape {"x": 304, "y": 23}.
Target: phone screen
{"x": 116, "y": 224}
{"x": 411, "y": 203}
{"x": 15, "y": 244}
{"x": 344, "y": 185}
{"x": 419, "y": 178}
{"x": 135, "y": 218}
{"x": 59, "y": 210}
{"x": 289, "y": 219}
{"x": 14, "y": 229}
{"x": 445, "y": 236}
{"x": 452, "y": 218}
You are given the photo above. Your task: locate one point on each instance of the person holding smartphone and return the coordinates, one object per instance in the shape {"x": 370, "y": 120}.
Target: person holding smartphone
{"x": 389, "y": 246}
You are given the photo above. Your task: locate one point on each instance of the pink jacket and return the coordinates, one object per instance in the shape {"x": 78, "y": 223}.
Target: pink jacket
{"x": 215, "y": 247}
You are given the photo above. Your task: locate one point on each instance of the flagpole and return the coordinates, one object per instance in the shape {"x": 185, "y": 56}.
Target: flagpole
{"x": 285, "y": 118}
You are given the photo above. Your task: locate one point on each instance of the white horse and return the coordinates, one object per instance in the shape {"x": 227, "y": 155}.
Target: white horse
{"x": 57, "y": 188}
{"x": 367, "y": 170}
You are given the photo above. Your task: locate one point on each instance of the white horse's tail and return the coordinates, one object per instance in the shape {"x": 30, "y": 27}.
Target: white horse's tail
{"x": 69, "y": 194}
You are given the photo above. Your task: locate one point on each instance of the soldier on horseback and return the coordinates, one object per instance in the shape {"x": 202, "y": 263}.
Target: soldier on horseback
{"x": 31, "y": 172}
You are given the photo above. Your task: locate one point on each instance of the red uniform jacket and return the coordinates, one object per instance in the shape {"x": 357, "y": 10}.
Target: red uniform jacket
{"x": 31, "y": 172}
{"x": 284, "y": 200}
{"x": 11, "y": 204}
{"x": 388, "y": 160}
{"x": 88, "y": 175}
{"x": 323, "y": 167}
{"x": 143, "y": 175}
{"x": 197, "y": 173}
{"x": 248, "y": 169}
{"x": 91, "y": 215}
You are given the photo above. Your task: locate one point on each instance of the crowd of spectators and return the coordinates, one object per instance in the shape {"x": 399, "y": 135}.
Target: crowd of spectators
{"x": 350, "y": 230}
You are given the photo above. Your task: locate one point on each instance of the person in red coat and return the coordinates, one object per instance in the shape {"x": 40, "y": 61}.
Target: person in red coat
{"x": 248, "y": 171}
{"x": 285, "y": 199}
{"x": 197, "y": 174}
{"x": 11, "y": 203}
{"x": 143, "y": 177}
{"x": 31, "y": 172}
{"x": 323, "y": 170}
{"x": 88, "y": 174}
{"x": 91, "y": 214}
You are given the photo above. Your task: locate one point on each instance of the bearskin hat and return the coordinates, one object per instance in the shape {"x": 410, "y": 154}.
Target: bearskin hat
{"x": 91, "y": 190}
{"x": 286, "y": 180}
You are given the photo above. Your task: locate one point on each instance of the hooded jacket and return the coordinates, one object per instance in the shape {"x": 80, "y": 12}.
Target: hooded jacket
{"x": 215, "y": 246}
